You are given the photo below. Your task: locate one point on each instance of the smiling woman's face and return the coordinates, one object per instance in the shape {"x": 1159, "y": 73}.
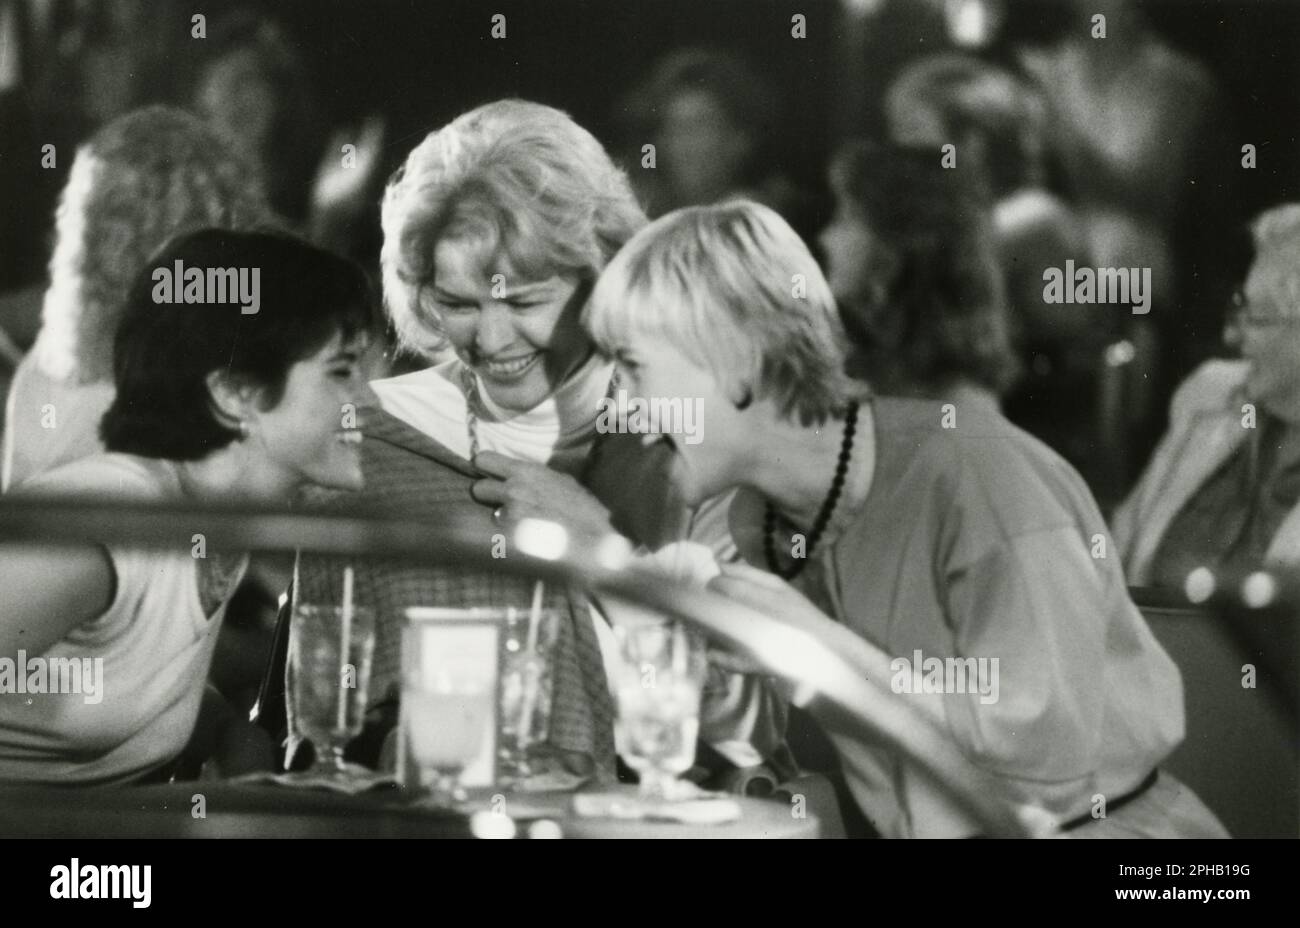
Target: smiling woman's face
{"x": 522, "y": 337}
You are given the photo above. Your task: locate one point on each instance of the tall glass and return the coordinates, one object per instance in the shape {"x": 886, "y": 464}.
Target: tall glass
{"x": 660, "y": 679}
{"x": 330, "y": 657}
{"x": 449, "y": 698}
{"x": 527, "y": 659}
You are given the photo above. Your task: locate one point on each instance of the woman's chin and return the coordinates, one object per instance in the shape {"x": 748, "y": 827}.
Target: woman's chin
{"x": 518, "y": 395}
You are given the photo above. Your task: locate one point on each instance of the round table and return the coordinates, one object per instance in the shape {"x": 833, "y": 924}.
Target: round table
{"x": 224, "y": 809}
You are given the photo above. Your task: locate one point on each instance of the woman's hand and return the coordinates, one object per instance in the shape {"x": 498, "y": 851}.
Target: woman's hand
{"x": 522, "y": 490}
{"x": 767, "y": 593}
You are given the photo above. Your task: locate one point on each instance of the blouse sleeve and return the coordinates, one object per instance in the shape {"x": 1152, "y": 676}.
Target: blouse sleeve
{"x": 1031, "y": 611}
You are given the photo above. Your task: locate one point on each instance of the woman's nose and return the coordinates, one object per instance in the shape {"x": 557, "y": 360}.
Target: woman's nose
{"x": 363, "y": 395}
{"x": 496, "y": 329}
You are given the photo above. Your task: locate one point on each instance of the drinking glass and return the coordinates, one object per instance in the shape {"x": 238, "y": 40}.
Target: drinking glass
{"x": 449, "y": 699}
{"x": 661, "y": 676}
{"x": 526, "y": 689}
{"x": 330, "y": 659}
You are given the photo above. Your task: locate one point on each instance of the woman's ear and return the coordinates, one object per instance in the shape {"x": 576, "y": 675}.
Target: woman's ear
{"x": 233, "y": 399}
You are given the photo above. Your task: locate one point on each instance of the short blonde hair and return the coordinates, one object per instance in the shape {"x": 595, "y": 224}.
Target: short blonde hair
{"x": 736, "y": 290}
{"x": 516, "y": 178}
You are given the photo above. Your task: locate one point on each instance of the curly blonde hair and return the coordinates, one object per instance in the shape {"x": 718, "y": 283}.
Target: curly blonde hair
{"x": 142, "y": 179}
{"x": 516, "y": 178}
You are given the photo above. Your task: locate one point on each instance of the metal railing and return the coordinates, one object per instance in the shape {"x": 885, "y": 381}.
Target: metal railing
{"x": 834, "y": 673}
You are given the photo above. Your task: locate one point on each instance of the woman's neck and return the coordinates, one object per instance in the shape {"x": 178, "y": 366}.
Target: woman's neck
{"x": 797, "y": 465}
{"x": 230, "y": 474}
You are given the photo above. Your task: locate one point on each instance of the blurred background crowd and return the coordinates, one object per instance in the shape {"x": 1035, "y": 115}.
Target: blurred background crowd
{"x": 1125, "y": 151}
{"x": 1152, "y": 147}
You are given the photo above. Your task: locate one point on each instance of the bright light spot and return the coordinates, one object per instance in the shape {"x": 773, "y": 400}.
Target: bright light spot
{"x": 542, "y": 539}
{"x": 489, "y": 825}
{"x": 969, "y": 22}
{"x": 1120, "y": 353}
{"x": 613, "y": 552}
{"x": 1259, "y": 590}
{"x": 284, "y": 598}
{"x": 1199, "y": 585}
{"x": 545, "y": 828}
{"x": 861, "y": 9}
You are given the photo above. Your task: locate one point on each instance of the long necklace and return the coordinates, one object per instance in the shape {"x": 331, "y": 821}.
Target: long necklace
{"x": 470, "y": 386}
{"x": 824, "y": 516}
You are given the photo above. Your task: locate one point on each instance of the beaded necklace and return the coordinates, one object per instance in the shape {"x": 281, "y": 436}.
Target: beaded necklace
{"x": 823, "y": 517}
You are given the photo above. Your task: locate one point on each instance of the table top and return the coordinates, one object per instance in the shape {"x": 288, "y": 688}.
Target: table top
{"x": 223, "y": 809}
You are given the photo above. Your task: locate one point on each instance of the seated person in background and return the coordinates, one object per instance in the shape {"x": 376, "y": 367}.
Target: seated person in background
{"x": 961, "y": 538}
{"x": 211, "y": 404}
{"x": 911, "y": 263}
{"x": 140, "y": 180}
{"x": 1222, "y": 490}
{"x": 494, "y": 232}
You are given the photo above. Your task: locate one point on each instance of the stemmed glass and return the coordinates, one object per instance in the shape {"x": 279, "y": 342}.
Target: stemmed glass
{"x": 330, "y": 654}
{"x": 659, "y": 685}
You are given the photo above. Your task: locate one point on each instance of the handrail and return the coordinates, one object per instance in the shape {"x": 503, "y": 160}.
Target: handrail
{"x": 825, "y": 667}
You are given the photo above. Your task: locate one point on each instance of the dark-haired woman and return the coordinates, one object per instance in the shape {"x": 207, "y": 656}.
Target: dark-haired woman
{"x": 212, "y": 403}
{"x": 912, "y": 264}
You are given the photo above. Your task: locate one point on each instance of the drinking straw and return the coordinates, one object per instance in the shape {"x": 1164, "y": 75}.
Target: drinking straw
{"x": 679, "y": 650}
{"x": 532, "y": 674}
{"x": 345, "y": 640}
{"x": 535, "y": 616}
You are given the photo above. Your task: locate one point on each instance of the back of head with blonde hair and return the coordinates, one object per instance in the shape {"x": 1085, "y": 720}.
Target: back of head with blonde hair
{"x": 524, "y": 183}
{"x": 736, "y": 290}
{"x": 142, "y": 179}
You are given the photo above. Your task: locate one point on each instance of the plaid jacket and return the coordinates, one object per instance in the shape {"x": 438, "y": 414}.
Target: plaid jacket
{"x": 410, "y": 475}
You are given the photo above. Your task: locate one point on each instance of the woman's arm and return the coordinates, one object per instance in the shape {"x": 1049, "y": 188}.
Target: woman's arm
{"x": 47, "y": 591}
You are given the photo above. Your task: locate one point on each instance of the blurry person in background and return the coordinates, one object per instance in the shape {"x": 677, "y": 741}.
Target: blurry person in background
{"x": 211, "y": 405}
{"x": 960, "y": 539}
{"x": 137, "y": 182}
{"x": 495, "y": 230}
{"x": 1222, "y": 491}
{"x": 255, "y": 90}
{"x": 998, "y": 123}
{"x": 912, "y": 265}
{"x": 1142, "y": 133}
{"x": 711, "y": 118}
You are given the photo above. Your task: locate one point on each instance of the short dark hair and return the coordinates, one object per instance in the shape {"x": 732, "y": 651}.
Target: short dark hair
{"x": 164, "y": 352}
{"x": 938, "y": 313}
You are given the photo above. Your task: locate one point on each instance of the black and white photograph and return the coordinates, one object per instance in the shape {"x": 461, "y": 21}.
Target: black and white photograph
{"x": 676, "y": 420}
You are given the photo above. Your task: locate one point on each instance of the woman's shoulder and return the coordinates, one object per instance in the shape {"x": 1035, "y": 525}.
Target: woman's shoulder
{"x": 430, "y": 401}
{"x": 110, "y": 474}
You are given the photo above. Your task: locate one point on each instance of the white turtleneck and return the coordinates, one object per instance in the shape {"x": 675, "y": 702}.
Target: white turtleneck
{"x": 558, "y": 431}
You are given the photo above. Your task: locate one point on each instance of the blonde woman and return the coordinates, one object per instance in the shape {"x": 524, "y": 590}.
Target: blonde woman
{"x": 938, "y": 529}
{"x": 495, "y": 230}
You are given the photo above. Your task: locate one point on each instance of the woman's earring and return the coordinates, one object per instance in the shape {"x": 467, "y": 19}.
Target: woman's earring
{"x": 243, "y": 430}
